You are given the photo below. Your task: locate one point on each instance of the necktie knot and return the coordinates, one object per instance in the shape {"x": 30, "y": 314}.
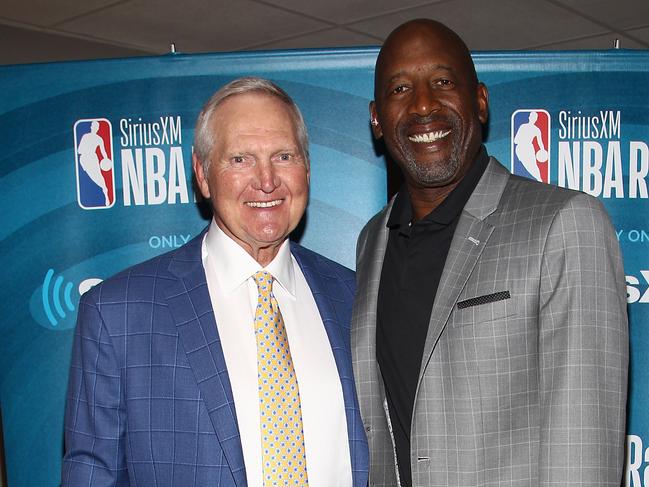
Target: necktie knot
{"x": 264, "y": 281}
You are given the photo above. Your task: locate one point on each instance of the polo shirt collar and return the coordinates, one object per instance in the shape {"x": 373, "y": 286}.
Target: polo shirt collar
{"x": 401, "y": 215}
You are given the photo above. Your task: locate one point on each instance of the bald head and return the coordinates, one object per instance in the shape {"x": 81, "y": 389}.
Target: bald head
{"x": 422, "y": 31}
{"x": 428, "y": 104}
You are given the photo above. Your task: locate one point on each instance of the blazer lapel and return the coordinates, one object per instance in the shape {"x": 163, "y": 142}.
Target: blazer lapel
{"x": 471, "y": 236}
{"x": 371, "y": 248}
{"x": 317, "y": 279}
{"x": 371, "y": 252}
{"x": 191, "y": 308}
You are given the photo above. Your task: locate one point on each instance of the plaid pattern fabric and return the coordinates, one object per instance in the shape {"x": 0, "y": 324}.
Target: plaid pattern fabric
{"x": 525, "y": 391}
{"x": 149, "y": 399}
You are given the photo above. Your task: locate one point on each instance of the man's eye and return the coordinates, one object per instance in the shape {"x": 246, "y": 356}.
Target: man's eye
{"x": 238, "y": 159}
{"x": 444, "y": 82}
{"x": 291, "y": 157}
{"x": 399, "y": 89}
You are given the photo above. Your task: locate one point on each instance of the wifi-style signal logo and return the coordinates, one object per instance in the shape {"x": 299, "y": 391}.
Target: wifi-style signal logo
{"x": 53, "y": 303}
{"x": 56, "y": 296}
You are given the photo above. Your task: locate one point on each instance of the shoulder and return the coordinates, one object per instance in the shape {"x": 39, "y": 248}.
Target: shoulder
{"x": 309, "y": 258}
{"x": 379, "y": 219}
{"x": 371, "y": 229}
{"x": 557, "y": 218}
{"x": 520, "y": 192}
{"x": 144, "y": 280}
{"x": 318, "y": 266}
{"x": 530, "y": 211}
{"x": 540, "y": 199}
{"x": 133, "y": 283}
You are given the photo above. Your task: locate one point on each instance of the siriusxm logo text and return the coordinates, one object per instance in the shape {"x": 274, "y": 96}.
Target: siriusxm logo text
{"x": 166, "y": 130}
{"x": 603, "y": 125}
{"x": 637, "y": 473}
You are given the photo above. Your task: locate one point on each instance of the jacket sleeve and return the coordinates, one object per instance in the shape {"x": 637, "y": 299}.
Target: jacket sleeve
{"x": 583, "y": 349}
{"x": 95, "y": 419}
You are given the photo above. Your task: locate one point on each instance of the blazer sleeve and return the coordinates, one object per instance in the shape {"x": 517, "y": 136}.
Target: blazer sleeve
{"x": 95, "y": 419}
{"x": 583, "y": 349}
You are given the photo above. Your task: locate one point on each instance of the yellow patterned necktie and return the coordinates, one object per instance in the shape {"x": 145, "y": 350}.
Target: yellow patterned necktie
{"x": 282, "y": 437}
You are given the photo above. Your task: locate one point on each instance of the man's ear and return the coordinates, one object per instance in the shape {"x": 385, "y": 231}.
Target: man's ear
{"x": 201, "y": 178}
{"x": 482, "y": 95}
{"x": 374, "y": 122}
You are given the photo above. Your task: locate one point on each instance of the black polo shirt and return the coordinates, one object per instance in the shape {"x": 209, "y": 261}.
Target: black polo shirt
{"x": 412, "y": 268}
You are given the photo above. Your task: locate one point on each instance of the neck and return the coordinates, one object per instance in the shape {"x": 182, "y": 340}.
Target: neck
{"x": 425, "y": 200}
{"x": 262, "y": 253}
{"x": 263, "y": 256}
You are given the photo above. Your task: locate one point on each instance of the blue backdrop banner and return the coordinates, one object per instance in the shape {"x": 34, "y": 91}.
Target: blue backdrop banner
{"x": 575, "y": 119}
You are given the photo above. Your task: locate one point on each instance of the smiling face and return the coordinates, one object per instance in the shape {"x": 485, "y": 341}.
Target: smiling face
{"x": 428, "y": 104}
{"x": 258, "y": 178}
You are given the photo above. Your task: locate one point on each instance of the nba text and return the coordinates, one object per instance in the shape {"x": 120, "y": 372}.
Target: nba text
{"x": 591, "y": 157}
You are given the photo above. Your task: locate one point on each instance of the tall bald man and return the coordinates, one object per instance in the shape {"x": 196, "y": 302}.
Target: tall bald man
{"x": 489, "y": 333}
{"x": 225, "y": 362}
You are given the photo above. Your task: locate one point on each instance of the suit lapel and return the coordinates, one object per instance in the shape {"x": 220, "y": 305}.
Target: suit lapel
{"x": 324, "y": 297}
{"x": 371, "y": 253}
{"x": 470, "y": 238}
{"x": 469, "y": 241}
{"x": 371, "y": 248}
{"x": 191, "y": 309}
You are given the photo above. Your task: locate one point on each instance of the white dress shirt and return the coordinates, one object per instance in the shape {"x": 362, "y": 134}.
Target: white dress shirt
{"x": 233, "y": 292}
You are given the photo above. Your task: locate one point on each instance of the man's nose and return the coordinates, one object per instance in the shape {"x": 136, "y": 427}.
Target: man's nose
{"x": 425, "y": 100}
{"x": 267, "y": 178}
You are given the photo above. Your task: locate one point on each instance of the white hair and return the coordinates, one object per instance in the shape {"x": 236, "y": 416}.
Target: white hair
{"x": 204, "y": 135}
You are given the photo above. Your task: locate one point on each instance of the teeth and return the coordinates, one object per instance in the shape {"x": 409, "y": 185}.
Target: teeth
{"x": 263, "y": 204}
{"x": 430, "y": 136}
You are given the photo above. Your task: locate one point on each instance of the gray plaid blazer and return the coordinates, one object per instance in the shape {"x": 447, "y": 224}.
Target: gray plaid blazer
{"x": 524, "y": 374}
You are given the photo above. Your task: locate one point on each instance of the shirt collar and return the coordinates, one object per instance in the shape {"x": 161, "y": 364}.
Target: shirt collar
{"x": 401, "y": 214}
{"x": 233, "y": 266}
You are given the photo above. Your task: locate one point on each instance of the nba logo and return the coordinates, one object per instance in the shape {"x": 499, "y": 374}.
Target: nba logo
{"x": 93, "y": 152}
{"x": 531, "y": 144}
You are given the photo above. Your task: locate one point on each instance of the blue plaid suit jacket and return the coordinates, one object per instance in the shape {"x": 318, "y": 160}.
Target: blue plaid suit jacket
{"x": 149, "y": 397}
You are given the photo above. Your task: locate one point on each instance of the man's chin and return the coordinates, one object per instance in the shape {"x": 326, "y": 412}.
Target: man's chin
{"x": 430, "y": 173}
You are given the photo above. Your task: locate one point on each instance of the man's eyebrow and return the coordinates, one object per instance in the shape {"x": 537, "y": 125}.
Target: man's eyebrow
{"x": 395, "y": 76}
{"x": 428, "y": 67}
